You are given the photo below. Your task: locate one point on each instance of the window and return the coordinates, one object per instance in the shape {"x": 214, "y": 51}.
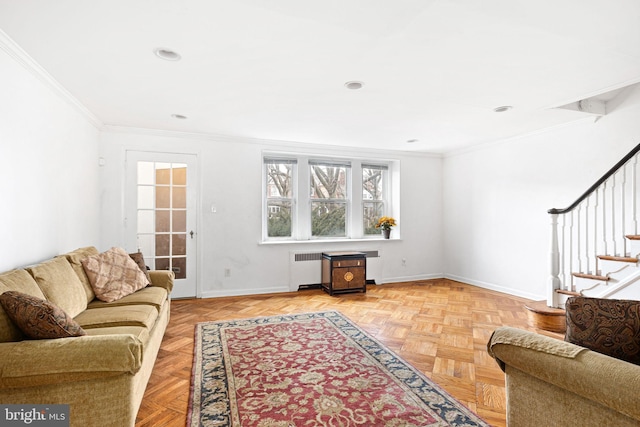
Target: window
{"x": 373, "y": 196}
{"x": 279, "y": 196}
{"x": 328, "y": 198}
{"x": 310, "y": 197}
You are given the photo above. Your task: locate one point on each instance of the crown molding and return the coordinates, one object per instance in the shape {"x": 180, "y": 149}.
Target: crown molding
{"x": 278, "y": 144}
{"x": 21, "y": 57}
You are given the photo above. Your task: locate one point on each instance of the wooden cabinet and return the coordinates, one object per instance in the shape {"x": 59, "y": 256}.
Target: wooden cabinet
{"x": 344, "y": 272}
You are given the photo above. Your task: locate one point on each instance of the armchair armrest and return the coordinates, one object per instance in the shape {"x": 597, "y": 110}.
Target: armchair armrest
{"x": 37, "y": 362}
{"x": 594, "y": 376}
{"x": 162, "y": 278}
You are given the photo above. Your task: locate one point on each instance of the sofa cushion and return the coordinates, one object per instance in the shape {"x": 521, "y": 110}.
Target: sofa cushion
{"x": 60, "y": 285}
{"x": 127, "y": 315}
{"x": 37, "y": 318}
{"x": 75, "y": 258}
{"x": 113, "y": 274}
{"x": 608, "y": 326}
{"x": 151, "y": 295}
{"x": 139, "y": 332}
{"x": 15, "y": 280}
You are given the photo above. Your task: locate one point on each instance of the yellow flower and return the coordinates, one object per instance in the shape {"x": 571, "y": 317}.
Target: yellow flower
{"x": 386, "y": 222}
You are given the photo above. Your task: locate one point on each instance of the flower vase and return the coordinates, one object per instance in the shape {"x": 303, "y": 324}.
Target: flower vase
{"x": 386, "y": 232}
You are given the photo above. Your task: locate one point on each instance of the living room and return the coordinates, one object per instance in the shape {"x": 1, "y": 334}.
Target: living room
{"x": 476, "y": 213}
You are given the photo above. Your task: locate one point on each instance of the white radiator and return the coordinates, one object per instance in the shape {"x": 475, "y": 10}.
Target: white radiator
{"x": 305, "y": 268}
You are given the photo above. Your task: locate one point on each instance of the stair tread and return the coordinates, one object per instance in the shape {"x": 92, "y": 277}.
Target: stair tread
{"x": 542, "y": 308}
{"x": 565, "y": 292}
{"x": 618, "y": 258}
{"x": 633, "y": 236}
{"x": 590, "y": 276}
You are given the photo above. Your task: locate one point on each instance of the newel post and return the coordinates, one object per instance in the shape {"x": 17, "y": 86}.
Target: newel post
{"x": 554, "y": 264}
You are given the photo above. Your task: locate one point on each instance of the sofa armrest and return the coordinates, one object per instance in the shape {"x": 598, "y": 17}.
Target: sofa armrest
{"x": 594, "y": 376}
{"x": 162, "y": 278}
{"x": 37, "y": 362}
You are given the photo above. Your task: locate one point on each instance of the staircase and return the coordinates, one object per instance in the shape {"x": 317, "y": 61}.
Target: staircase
{"x": 595, "y": 245}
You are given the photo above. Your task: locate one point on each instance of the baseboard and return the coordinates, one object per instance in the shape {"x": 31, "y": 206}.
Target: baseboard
{"x": 494, "y": 287}
{"x": 241, "y": 292}
{"x": 410, "y": 278}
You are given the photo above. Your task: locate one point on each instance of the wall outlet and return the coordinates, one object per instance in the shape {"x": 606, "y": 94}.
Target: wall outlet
{"x": 227, "y": 272}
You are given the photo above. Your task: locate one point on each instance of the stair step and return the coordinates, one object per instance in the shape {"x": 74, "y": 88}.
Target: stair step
{"x": 546, "y": 318}
{"x": 590, "y": 276}
{"x": 572, "y": 293}
{"x": 633, "y": 236}
{"x": 618, "y": 258}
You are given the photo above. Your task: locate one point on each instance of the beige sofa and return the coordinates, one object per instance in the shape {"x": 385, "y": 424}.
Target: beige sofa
{"x": 102, "y": 375}
{"x": 550, "y": 382}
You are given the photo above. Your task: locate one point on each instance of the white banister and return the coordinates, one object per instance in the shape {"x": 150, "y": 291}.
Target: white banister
{"x": 554, "y": 279}
{"x": 595, "y": 224}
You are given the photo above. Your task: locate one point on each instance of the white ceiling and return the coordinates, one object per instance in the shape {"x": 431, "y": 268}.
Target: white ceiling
{"x": 433, "y": 70}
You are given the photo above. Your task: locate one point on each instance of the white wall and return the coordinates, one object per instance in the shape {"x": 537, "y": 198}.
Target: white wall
{"x": 230, "y": 173}
{"x": 48, "y": 168}
{"x": 496, "y": 228}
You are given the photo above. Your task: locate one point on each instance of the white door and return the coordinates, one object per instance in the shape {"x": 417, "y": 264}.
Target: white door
{"x": 160, "y": 204}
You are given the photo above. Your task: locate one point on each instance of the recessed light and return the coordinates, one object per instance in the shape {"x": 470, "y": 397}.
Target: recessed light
{"x": 353, "y": 85}
{"x": 411, "y": 141}
{"x": 167, "y": 54}
{"x": 502, "y": 109}
{"x": 178, "y": 116}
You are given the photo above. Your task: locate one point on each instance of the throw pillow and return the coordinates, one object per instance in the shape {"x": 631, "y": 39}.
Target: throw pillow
{"x": 38, "y": 318}
{"x": 113, "y": 274}
{"x": 608, "y": 326}
{"x": 138, "y": 258}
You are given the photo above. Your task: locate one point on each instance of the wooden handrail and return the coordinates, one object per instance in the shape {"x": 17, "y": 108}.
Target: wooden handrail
{"x": 598, "y": 183}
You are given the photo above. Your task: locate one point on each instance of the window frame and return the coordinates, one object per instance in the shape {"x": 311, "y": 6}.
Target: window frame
{"x": 301, "y": 205}
{"x": 386, "y": 188}
{"x": 266, "y": 160}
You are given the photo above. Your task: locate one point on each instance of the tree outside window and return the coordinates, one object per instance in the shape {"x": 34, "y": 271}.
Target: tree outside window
{"x": 373, "y": 197}
{"x": 279, "y": 196}
{"x": 328, "y": 199}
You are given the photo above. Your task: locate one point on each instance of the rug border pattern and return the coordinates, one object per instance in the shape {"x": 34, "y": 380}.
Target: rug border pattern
{"x": 432, "y": 395}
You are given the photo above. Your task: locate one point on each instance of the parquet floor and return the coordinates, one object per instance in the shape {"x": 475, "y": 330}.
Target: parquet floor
{"x": 439, "y": 326}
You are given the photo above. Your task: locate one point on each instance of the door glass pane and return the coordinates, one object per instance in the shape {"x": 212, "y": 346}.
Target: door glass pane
{"x": 163, "y": 197}
{"x": 146, "y": 221}
{"x": 162, "y": 216}
{"x": 179, "y": 244}
{"x": 145, "y": 197}
{"x": 147, "y": 245}
{"x": 163, "y": 173}
{"x": 146, "y": 173}
{"x": 179, "y": 174}
{"x": 179, "y": 197}
{"x": 179, "y": 221}
{"x": 180, "y": 267}
{"x": 162, "y": 221}
{"x": 162, "y": 244}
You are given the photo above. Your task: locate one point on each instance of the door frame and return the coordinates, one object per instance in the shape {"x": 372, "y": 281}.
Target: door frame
{"x": 129, "y": 198}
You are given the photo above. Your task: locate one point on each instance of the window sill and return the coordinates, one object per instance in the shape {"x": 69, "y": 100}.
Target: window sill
{"x": 324, "y": 241}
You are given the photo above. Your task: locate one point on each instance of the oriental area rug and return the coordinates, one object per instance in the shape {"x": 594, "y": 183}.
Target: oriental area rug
{"x": 311, "y": 370}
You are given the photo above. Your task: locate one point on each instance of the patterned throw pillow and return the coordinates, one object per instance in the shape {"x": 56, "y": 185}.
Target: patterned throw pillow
{"x": 139, "y": 259}
{"x": 608, "y": 326}
{"x": 113, "y": 274}
{"x": 37, "y": 318}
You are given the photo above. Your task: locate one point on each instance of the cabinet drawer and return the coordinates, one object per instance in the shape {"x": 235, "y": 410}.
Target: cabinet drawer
{"x": 348, "y": 263}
